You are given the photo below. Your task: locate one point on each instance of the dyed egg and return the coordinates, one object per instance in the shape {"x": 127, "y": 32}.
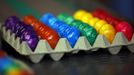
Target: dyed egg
{"x": 19, "y": 28}
{"x": 42, "y": 30}
{"x": 103, "y": 16}
{"x": 90, "y": 34}
{"x": 125, "y": 28}
{"x": 99, "y": 24}
{"x": 26, "y": 33}
{"x": 18, "y": 72}
{"x": 10, "y": 67}
{"x": 2, "y": 54}
{"x": 82, "y": 25}
{"x": 108, "y": 31}
{"x": 76, "y": 23}
{"x": 93, "y": 21}
{"x": 11, "y": 22}
{"x": 7, "y": 63}
{"x": 66, "y": 18}
{"x": 24, "y": 72}
{"x": 13, "y": 71}
{"x": 63, "y": 29}
{"x": 96, "y": 13}
{"x": 106, "y": 16}
{"x": 72, "y": 35}
{"x": 28, "y": 19}
{"x": 48, "y": 19}
{"x": 99, "y": 13}
{"x": 86, "y": 17}
{"x": 32, "y": 42}
{"x": 51, "y": 38}
{"x": 78, "y": 14}
{"x": 85, "y": 30}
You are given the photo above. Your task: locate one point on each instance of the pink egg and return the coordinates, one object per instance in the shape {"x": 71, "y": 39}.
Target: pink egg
{"x": 125, "y": 28}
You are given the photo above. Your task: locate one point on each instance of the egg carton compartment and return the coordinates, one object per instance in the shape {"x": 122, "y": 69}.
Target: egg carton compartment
{"x": 63, "y": 46}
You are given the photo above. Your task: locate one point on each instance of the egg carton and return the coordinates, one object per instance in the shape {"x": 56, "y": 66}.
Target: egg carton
{"x": 63, "y": 46}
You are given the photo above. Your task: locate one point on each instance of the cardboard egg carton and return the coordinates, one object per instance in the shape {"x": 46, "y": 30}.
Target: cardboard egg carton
{"x": 63, "y": 46}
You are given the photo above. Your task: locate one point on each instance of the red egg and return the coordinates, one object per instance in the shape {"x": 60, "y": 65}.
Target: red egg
{"x": 24, "y": 72}
{"x": 28, "y": 19}
{"x": 115, "y": 21}
{"x": 42, "y": 30}
{"x": 2, "y": 53}
{"x": 102, "y": 14}
{"x": 125, "y": 28}
{"x": 95, "y": 13}
{"x": 51, "y": 37}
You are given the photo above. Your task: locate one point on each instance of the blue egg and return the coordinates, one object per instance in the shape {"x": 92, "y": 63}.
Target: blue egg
{"x": 64, "y": 30}
{"x": 60, "y": 27}
{"x": 5, "y": 62}
{"x": 72, "y": 35}
{"x": 48, "y": 19}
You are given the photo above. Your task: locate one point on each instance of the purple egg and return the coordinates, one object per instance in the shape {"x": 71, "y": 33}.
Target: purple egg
{"x": 30, "y": 37}
{"x": 17, "y": 27}
{"x": 22, "y": 27}
{"x": 11, "y": 22}
{"x": 25, "y": 32}
{"x": 32, "y": 42}
{"x": 13, "y": 18}
{"x": 29, "y": 27}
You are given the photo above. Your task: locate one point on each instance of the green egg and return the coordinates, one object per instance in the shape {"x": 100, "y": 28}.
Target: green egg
{"x": 66, "y": 18}
{"x": 86, "y": 30}
{"x": 90, "y": 34}
{"x": 75, "y": 23}
{"x": 10, "y": 67}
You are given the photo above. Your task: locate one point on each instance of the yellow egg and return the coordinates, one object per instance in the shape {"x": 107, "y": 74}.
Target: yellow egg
{"x": 105, "y": 27}
{"x": 99, "y": 24}
{"x": 93, "y": 21}
{"x": 78, "y": 14}
{"x": 14, "y": 72}
{"x": 86, "y": 17}
{"x": 108, "y": 31}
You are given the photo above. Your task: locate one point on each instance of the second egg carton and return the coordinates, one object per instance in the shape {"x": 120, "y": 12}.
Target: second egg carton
{"x": 63, "y": 46}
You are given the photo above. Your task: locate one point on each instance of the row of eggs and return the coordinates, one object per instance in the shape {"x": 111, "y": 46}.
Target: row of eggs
{"x": 9, "y": 67}
{"x": 53, "y": 28}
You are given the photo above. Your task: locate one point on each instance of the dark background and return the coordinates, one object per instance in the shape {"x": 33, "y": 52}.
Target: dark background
{"x": 83, "y": 63}
{"x": 13, "y": 7}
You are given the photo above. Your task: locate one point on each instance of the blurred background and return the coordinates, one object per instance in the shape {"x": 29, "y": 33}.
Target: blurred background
{"x": 96, "y": 63}
{"x": 37, "y": 8}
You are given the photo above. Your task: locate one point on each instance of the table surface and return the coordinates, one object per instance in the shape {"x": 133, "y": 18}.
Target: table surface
{"x": 96, "y": 63}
